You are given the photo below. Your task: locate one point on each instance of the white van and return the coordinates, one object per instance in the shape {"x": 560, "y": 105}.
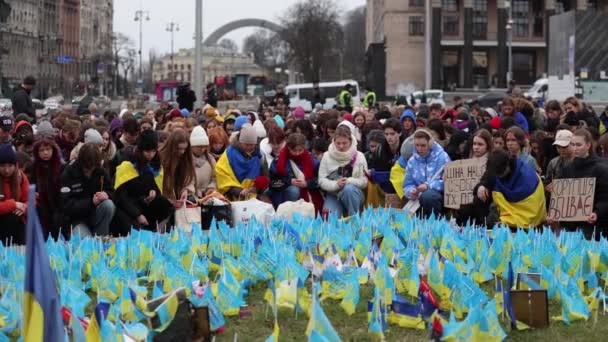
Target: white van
{"x": 538, "y": 90}
{"x": 301, "y": 94}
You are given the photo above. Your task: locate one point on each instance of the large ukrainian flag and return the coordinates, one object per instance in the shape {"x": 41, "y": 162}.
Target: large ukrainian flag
{"x": 41, "y": 304}
{"x": 234, "y": 175}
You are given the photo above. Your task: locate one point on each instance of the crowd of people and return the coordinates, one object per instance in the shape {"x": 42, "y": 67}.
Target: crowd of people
{"x": 105, "y": 173}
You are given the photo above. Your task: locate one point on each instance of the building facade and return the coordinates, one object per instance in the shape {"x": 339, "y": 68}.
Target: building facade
{"x": 469, "y": 41}
{"x": 95, "y": 55}
{"x": 217, "y": 62}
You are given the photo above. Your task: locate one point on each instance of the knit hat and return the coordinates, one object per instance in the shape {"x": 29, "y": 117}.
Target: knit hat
{"x": 185, "y": 112}
{"x": 147, "y": 140}
{"x": 175, "y": 113}
{"x": 115, "y": 125}
{"x": 92, "y": 136}
{"x": 299, "y": 113}
{"x": 198, "y": 137}
{"x": 259, "y": 129}
{"x": 7, "y": 154}
{"x": 123, "y": 112}
{"x": 45, "y": 129}
{"x": 240, "y": 121}
{"x": 247, "y": 135}
{"x": 348, "y": 117}
{"x": 23, "y": 123}
{"x": 495, "y": 123}
{"x": 210, "y": 111}
{"x": 279, "y": 120}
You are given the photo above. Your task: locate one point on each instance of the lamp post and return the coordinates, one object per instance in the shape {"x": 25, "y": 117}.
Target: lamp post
{"x": 139, "y": 16}
{"x": 509, "y": 29}
{"x": 172, "y": 27}
{"x": 198, "y": 52}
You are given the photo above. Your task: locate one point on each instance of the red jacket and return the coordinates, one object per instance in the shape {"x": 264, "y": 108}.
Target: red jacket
{"x": 8, "y": 203}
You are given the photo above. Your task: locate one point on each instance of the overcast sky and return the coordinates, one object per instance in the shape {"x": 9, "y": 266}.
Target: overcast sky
{"x": 215, "y": 14}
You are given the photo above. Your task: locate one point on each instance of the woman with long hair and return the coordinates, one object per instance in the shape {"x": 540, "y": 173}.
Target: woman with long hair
{"x": 139, "y": 187}
{"x": 218, "y": 142}
{"x": 46, "y": 170}
{"x": 204, "y": 162}
{"x": 179, "y": 175}
{"x": 515, "y": 139}
{"x": 342, "y": 174}
{"x": 14, "y": 187}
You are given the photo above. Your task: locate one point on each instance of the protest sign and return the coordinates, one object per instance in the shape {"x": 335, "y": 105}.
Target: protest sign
{"x": 572, "y": 199}
{"x": 459, "y": 179}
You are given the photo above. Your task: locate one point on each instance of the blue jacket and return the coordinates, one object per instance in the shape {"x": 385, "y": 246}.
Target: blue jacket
{"x": 420, "y": 170}
{"x": 520, "y": 120}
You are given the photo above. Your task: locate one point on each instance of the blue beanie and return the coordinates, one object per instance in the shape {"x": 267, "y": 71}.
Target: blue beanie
{"x": 279, "y": 120}
{"x": 240, "y": 121}
{"x": 185, "y": 112}
{"x": 7, "y": 154}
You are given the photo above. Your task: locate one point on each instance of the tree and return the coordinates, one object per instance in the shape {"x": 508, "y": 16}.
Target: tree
{"x": 314, "y": 34}
{"x": 153, "y": 59}
{"x": 267, "y": 47}
{"x": 354, "y": 49}
{"x": 229, "y": 45}
{"x": 123, "y": 45}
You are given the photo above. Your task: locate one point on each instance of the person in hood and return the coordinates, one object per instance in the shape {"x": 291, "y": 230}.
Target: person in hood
{"x": 46, "y": 170}
{"x": 424, "y": 174}
{"x": 139, "y": 188}
{"x": 14, "y": 188}
{"x": 572, "y": 104}
{"x": 588, "y": 165}
{"x": 342, "y": 174}
{"x": 408, "y": 122}
{"x": 22, "y": 100}
{"x": 241, "y": 171}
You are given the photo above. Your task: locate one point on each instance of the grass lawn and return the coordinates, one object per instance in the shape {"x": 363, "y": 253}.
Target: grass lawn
{"x": 354, "y": 328}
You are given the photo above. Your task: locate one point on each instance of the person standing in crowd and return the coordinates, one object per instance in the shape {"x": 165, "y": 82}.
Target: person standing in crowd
{"x": 424, "y": 173}
{"x": 515, "y": 188}
{"x": 408, "y": 122}
{"x": 342, "y": 174}
{"x": 241, "y": 171}
{"x": 179, "y": 177}
{"x": 13, "y": 197}
{"x": 138, "y": 186}
{"x": 46, "y": 170}
{"x": 22, "y": 100}
{"x": 345, "y": 99}
{"x": 204, "y": 162}
{"x": 554, "y": 114}
{"x": 280, "y": 98}
{"x": 86, "y": 191}
{"x": 588, "y": 165}
{"x": 317, "y": 95}
{"x": 211, "y": 95}
{"x": 508, "y": 110}
{"x": 185, "y": 97}
{"x": 477, "y": 212}
{"x": 218, "y": 142}
{"x": 294, "y": 174}
{"x": 515, "y": 140}
{"x": 369, "y": 101}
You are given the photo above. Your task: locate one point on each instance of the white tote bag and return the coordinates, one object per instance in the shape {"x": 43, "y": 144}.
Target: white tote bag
{"x": 185, "y": 217}
{"x": 302, "y": 207}
{"x": 243, "y": 211}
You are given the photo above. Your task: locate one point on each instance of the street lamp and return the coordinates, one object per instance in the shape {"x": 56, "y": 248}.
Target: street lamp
{"x": 172, "y": 27}
{"x": 509, "y": 29}
{"x": 139, "y": 16}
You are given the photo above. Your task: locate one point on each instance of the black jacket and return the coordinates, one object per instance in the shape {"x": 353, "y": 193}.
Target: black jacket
{"x": 283, "y": 96}
{"x": 592, "y": 166}
{"x": 212, "y": 97}
{"x": 186, "y": 99}
{"x": 22, "y": 102}
{"x": 77, "y": 192}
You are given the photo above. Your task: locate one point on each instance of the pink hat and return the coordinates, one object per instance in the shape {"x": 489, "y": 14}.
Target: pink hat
{"x": 299, "y": 113}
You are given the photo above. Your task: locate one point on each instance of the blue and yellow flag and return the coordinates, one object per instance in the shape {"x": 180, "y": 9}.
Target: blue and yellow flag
{"x": 41, "y": 303}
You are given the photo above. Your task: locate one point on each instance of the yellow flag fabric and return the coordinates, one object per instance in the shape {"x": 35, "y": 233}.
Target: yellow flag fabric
{"x": 397, "y": 176}
{"x": 375, "y": 195}
{"x": 226, "y": 178}
{"x": 126, "y": 172}
{"x": 531, "y": 211}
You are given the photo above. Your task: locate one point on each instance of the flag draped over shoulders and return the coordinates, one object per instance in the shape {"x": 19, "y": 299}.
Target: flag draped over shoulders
{"x": 233, "y": 170}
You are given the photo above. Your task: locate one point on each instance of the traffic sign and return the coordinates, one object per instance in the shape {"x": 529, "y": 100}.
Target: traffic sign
{"x": 101, "y": 68}
{"x": 65, "y": 59}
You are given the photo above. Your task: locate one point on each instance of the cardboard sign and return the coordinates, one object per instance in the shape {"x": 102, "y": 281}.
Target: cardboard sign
{"x": 572, "y": 199}
{"x": 531, "y": 307}
{"x": 459, "y": 179}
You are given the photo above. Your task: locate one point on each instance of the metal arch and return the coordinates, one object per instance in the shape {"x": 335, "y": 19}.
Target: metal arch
{"x": 237, "y": 24}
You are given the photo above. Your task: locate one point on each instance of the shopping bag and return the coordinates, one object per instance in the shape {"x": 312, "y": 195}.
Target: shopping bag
{"x": 221, "y": 212}
{"x": 301, "y": 207}
{"x": 186, "y": 216}
{"x": 243, "y": 211}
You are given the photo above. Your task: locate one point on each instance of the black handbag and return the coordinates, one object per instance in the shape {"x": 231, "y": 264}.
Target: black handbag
{"x": 219, "y": 212}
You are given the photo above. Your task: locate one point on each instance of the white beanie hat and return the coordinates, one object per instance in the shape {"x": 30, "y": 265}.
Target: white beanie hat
{"x": 198, "y": 137}
{"x": 92, "y": 136}
{"x": 259, "y": 129}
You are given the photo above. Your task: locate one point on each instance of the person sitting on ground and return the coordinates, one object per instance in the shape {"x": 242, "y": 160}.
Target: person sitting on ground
{"x": 13, "y": 197}
{"x": 386, "y": 155}
{"x": 408, "y": 121}
{"x": 86, "y": 191}
{"x": 342, "y": 174}
{"x": 90, "y": 136}
{"x": 515, "y": 140}
{"x": 515, "y": 188}
{"x": 241, "y": 171}
{"x": 218, "y": 142}
{"x": 179, "y": 178}
{"x": 204, "y": 162}
{"x": 139, "y": 184}
{"x": 508, "y": 110}
{"x": 128, "y": 138}
{"x": 294, "y": 174}
{"x": 46, "y": 170}
{"x": 424, "y": 174}
{"x": 273, "y": 144}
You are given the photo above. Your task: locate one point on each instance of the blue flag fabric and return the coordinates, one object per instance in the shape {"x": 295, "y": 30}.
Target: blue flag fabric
{"x": 41, "y": 303}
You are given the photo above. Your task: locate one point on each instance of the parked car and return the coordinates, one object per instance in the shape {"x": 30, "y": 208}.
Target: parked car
{"x": 490, "y": 99}
{"x": 6, "y": 106}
